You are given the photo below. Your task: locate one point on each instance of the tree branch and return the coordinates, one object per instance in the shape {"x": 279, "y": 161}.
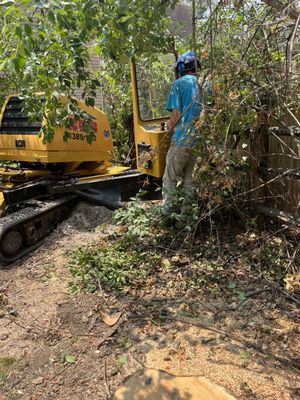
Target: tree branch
{"x": 277, "y": 5}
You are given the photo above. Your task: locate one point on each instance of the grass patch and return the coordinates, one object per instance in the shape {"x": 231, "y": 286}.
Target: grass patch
{"x": 112, "y": 267}
{"x": 5, "y": 365}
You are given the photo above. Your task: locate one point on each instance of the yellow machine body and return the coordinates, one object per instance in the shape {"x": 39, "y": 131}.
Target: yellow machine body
{"x": 41, "y": 180}
{"x": 152, "y": 140}
{"x": 20, "y": 139}
{"x": 21, "y": 142}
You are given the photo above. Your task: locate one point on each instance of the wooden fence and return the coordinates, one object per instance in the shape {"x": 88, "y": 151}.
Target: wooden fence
{"x": 279, "y": 172}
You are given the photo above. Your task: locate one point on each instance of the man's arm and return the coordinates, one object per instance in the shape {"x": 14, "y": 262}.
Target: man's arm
{"x": 174, "y": 119}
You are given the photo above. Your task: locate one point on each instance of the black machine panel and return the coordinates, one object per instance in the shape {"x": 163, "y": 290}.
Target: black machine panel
{"x": 15, "y": 121}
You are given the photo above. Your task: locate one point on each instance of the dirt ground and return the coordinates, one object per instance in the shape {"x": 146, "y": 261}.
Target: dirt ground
{"x": 60, "y": 348}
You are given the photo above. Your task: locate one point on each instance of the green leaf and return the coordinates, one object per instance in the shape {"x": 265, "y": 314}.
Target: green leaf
{"x": 51, "y": 16}
{"x": 19, "y": 32}
{"x": 70, "y": 359}
{"x": 3, "y": 65}
{"x": 114, "y": 371}
{"x": 123, "y": 360}
{"x": 28, "y": 29}
{"x": 126, "y": 18}
{"x": 21, "y": 50}
{"x": 245, "y": 355}
{"x": 98, "y": 49}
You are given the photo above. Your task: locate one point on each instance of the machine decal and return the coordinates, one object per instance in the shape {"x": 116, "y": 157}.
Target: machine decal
{"x": 78, "y": 125}
{"x": 106, "y": 134}
{"x": 79, "y": 136}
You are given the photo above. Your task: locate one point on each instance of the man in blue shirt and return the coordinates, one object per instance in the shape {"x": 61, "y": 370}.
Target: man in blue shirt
{"x": 185, "y": 104}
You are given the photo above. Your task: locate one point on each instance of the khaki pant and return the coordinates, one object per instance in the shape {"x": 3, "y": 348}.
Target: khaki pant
{"x": 180, "y": 163}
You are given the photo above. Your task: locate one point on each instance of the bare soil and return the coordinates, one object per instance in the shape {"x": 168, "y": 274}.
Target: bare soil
{"x": 61, "y": 349}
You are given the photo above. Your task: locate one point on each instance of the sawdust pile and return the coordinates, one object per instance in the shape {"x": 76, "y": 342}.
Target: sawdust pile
{"x": 87, "y": 216}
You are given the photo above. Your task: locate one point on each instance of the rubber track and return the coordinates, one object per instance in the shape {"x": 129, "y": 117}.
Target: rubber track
{"x": 23, "y": 216}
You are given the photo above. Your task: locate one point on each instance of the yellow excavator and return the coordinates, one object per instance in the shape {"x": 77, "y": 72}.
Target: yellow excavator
{"x": 41, "y": 181}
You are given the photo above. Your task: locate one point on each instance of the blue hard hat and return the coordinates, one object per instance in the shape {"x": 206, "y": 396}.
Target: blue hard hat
{"x": 186, "y": 62}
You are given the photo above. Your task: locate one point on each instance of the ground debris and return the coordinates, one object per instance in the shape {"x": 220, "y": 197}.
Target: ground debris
{"x": 109, "y": 318}
{"x": 38, "y": 381}
{"x": 82, "y": 346}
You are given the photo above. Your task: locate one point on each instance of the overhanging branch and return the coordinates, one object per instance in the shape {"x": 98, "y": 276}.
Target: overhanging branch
{"x": 277, "y": 5}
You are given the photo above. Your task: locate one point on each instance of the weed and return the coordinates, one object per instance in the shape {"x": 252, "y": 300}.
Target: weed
{"x": 114, "y": 266}
{"x": 136, "y": 217}
{"x": 5, "y": 365}
{"x": 142, "y": 221}
{"x": 245, "y": 355}
{"x": 239, "y": 293}
{"x": 269, "y": 259}
{"x": 70, "y": 359}
{"x": 122, "y": 361}
{"x": 126, "y": 343}
{"x": 206, "y": 275}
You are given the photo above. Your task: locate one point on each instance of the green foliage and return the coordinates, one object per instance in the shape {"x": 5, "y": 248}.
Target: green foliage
{"x": 206, "y": 275}
{"x": 245, "y": 356}
{"x": 116, "y": 91}
{"x": 244, "y": 56}
{"x": 114, "y": 266}
{"x": 269, "y": 259}
{"x": 239, "y": 293}
{"x": 126, "y": 343}
{"x": 5, "y": 365}
{"x": 121, "y": 362}
{"x": 140, "y": 28}
{"x": 46, "y": 46}
{"x": 70, "y": 359}
{"x": 149, "y": 221}
{"x": 137, "y": 218}
{"x": 155, "y": 75}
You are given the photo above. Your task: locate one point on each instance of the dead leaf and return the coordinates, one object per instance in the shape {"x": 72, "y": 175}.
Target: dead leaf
{"x": 110, "y": 319}
{"x": 292, "y": 283}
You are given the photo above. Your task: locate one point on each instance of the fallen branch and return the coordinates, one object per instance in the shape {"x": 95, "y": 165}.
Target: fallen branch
{"x": 247, "y": 296}
{"x": 198, "y": 324}
{"x": 289, "y": 296}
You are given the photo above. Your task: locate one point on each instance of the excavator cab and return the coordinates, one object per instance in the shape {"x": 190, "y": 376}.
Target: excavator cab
{"x": 149, "y": 97}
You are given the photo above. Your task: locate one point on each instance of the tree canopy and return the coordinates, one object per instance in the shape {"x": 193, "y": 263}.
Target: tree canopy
{"x": 45, "y": 45}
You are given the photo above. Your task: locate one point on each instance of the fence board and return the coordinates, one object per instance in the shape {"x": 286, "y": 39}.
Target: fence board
{"x": 283, "y": 161}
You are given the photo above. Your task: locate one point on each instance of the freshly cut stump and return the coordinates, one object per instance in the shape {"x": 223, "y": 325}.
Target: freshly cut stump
{"x": 152, "y": 384}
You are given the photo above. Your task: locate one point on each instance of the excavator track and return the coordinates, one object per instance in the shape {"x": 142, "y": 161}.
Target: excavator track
{"x": 31, "y": 215}
{"x": 23, "y": 230}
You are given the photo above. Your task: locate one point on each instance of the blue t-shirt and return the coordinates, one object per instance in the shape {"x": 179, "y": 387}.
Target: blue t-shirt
{"x": 185, "y": 97}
